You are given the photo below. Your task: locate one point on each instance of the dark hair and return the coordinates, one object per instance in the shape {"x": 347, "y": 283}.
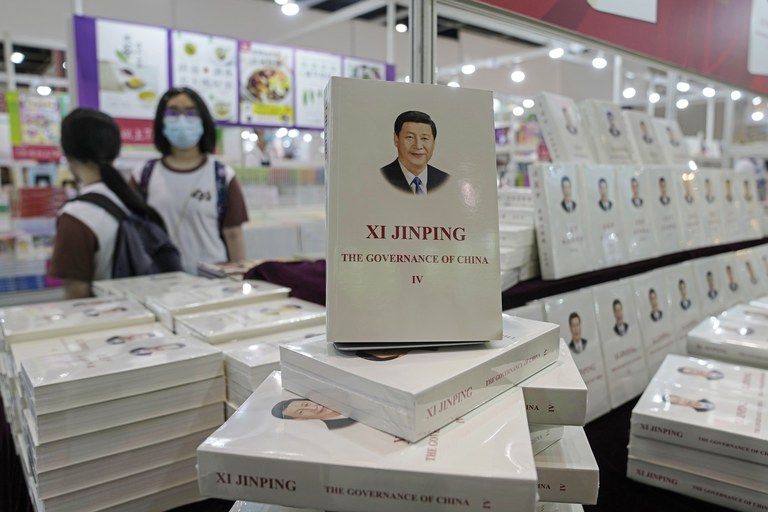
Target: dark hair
{"x": 414, "y": 116}
{"x": 207, "y": 142}
{"x": 634, "y": 180}
{"x": 662, "y": 179}
{"x": 601, "y": 181}
{"x": 728, "y": 268}
{"x": 88, "y": 135}
{"x": 565, "y": 178}
{"x": 709, "y": 273}
{"x": 116, "y": 340}
{"x": 572, "y": 316}
{"x": 682, "y": 281}
{"x": 616, "y": 301}
{"x": 279, "y": 409}
{"x": 651, "y": 291}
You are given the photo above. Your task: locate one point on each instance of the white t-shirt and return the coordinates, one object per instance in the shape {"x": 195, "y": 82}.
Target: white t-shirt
{"x": 186, "y": 200}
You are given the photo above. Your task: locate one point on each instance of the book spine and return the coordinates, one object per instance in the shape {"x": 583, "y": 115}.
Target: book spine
{"x": 719, "y": 493}
{"x": 742, "y": 353}
{"x": 555, "y": 406}
{"x": 351, "y": 489}
{"x": 568, "y": 485}
{"x": 542, "y": 222}
{"x": 549, "y": 132}
{"x": 544, "y": 436}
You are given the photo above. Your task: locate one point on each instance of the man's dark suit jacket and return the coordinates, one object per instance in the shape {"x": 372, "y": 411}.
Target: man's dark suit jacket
{"x": 394, "y": 175}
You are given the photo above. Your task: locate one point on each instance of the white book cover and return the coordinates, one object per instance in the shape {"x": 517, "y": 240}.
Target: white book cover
{"x": 390, "y": 391}
{"x": 666, "y": 210}
{"x": 734, "y": 229}
{"x": 672, "y": 141}
{"x": 37, "y": 321}
{"x": 421, "y": 244}
{"x": 516, "y": 236}
{"x": 688, "y": 189}
{"x": 124, "y": 438}
{"x": 122, "y": 411}
{"x": 556, "y": 394}
{"x": 643, "y": 138}
{"x": 561, "y": 222}
{"x": 606, "y": 236}
{"x": 220, "y": 294}
{"x": 608, "y": 131}
{"x": 747, "y": 267}
{"x": 760, "y": 254}
{"x": 636, "y": 202}
{"x": 534, "y": 310}
{"x": 543, "y": 436}
{"x": 59, "y": 382}
{"x": 250, "y": 321}
{"x": 712, "y": 206}
{"x": 717, "y": 467}
{"x": 745, "y": 186}
{"x": 574, "y": 312}
{"x": 139, "y": 287}
{"x": 567, "y": 470}
{"x": 716, "y": 421}
{"x": 516, "y": 216}
{"x": 737, "y": 338}
{"x": 264, "y": 453}
{"x": 731, "y": 277}
{"x": 706, "y": 489}
{"x": 620, "y": 340}
{"x": 711, "y": 285}
{"x": 511, "y": 258}
{"x": 520, "y": 197}
{"x": 685, "y": 300}
{"x": 561, "y": 127}
{"x": 655, "y": 312}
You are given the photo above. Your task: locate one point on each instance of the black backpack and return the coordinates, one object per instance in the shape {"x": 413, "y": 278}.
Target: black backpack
{"x": 142, "y": 247}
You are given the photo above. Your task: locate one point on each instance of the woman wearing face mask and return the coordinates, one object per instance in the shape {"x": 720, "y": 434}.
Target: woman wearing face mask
{"x": 199, "y": 198}
{"x": 85, "y": 234}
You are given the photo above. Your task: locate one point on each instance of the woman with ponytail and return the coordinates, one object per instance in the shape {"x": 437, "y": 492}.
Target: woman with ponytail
{"x": 85, "y": 233}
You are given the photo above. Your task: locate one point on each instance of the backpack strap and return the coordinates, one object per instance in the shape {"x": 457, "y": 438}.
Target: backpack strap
{"x": 222, "y": 191}
{"x": 146, "y": 173}
{"x": 104, "y": 203}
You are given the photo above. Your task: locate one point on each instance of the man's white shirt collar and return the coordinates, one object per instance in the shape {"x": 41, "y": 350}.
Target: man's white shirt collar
{"x": 409, "y": 177}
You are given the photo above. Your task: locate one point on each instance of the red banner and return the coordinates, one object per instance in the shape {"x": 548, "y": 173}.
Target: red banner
{"x": 37, "y": 152}
{"x": 135, "y": 131}
{"x": 708, "y": 37}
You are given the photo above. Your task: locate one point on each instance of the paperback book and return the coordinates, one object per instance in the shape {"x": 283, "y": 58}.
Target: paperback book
{"x": 710, "y": 283}
{"x": 643, "y": 139}
{"x": 516, "y": 236}
{"x": 567, "y": 470}
{"x": 544, "y": 436}
{"x": 739, "y": 338}
{"x": 666, "y": 210}
{"x": 733, "y": 286}
{"x": 734, "y": 229}
{"x": 713, "y": 374}
{"x": 672, "y": 142}
{"x": 745, "y": 186}
{"x": 389, "y": 390}
{"x": 655, "y": 317}
{"x": 712, "y": 207}
{"x": 516, "y": 216}
{"x": 534, "y": 310}
{"x": 636, "y": 205}
{"x": 220, "y": 294}
{"x": 688, "y": 188}
{"x": 398, "y": 224}
{"x": 325, "y": 460}
{"x": 608, "y": 132}
{"x": 574, "y": 312}
{"x": 606, "y": 238}
{"x": 249, "y": 321}
{"x": 747, "y": 268}
{"x": 518, "y": 197}
{"x": 562, "y": 130}
{"x": 561, "y": 222}
{"x": 625, "y": 366}
{"x": 685, "y": 300}
{"x": 139, "y": 287}
{"x": 234, "y": 270}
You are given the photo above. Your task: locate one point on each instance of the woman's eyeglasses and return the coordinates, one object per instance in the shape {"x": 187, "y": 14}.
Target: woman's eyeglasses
{"x": 176, "y": 112}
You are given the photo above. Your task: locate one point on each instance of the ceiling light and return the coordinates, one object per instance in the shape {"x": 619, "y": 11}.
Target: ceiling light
{"x": 453, "y": 84}
{"x": 281, "y": 132}
{"x": 517, "y": 76}
{"x": 245, "y": 134}
{"x": 253, "y": 137}
{"x": 407, "y": 78}
{"x": 629, "y": 75}
{"x": 307, "y": 137}
{"x": 17, "y": 57}
{"x": 281, "y": 2}
{"x": 709, "y": 92}
{"x": 681, "y": 103}
{"x": 629, "y": 92}
{"x": 518, "y": 111}
{"x": 468, "y": 69}
{"x": 683, "y": 86}
{"x": 496, "y": 104}
{"x": 401, "y": 27}
{"x": 692, "y": 166}
{"x": 44, "y": 90}
{"x": 757, "y": 100}
{"x": 599, "y": 62}
{"x": 528, "y": 103}
{"x": 290, "y": 9}
{"x": 556, "y": 53}
{"x": 654, "y": 97}
{"x": 293, "y": 133}
{"x": 758, "y": 116}
{"x": 736, "y": 95}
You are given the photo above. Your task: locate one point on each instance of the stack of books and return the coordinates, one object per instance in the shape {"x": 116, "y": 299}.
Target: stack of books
{"x": 737, "y": 335}
{"x": 249, "y": 506}
{"x": 111, "y": 425}
{"x": 234, "y": 270}
{"x": 519, "y": 256}
{"x": 140, "y": 287}
{"x": 561, "y": 127}
{"x": 700, "y": 430}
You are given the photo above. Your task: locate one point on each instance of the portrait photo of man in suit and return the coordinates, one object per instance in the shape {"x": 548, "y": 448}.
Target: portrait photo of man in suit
{"x": 673, "y": 141}
{"x": 664, "y": 198}
{"x": 569, "y": 125}
{"x": 653, "y": 299}
{"x": 751, "y": 272}
{"x": 605, "y": 203}
{"x": 637, "y": 201}
{"x": 620, "y": 327}
{"x": 612, "y": 129}
{"x": 300, "y": 409}
{"x": 646, "y": 136}
{"x": 711, "y": 291}
{"x": 567, "y": 203}
{"x": 577, "y": 343}
{"x": 685, "y": 302}
{"x": 728, "y": 191}
{"x": 747, "y": 191}
{"x": 708, "y": 194}
{"x": 414, "y": 137}
{"x": 732, "y": 284}
{"x": 687, "y": 184}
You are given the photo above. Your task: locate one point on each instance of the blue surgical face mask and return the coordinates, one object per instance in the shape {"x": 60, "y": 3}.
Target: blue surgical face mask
{"x": 183, "y": 132}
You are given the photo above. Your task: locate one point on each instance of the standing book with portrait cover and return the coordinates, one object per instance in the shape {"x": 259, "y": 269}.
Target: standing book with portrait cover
{"x": 666, "y": 209}
{"x": 712, "y": 205}
{"x": 749, "y": 275}
{"x": 731, "y": 277}
{"x": 643, "y": 138}
{"x": 561, "y": 221}
{"x": 655, "y": 313}
{"x": 562, "y": 129}
{"x": 606, "y": 236}
{"x": 688, "y": 190}
{"x": 671, "y": 140}
{"x": 685, "y": 301}
{"x": 734, "y": 229}
{"x": 412, "y": 213}
{"x": 608, "y": 131}
{"x": 636, "y": 203}
{"x": 625, "y": 367}
{"x": 283, "y": 449}
{"x": 388, "y": 389}
{"x": 745, "y": 185}
{"x": 575, "y": 313}
{"x": 710, "y": 281}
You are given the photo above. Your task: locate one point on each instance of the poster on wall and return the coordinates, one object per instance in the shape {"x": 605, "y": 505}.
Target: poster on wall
{"x": 365, "y": 69}
{"x": 208, "y": 65}
{"x": 132, "y": 68}
{"x": 313, "y": 70}
{"x": 35, "y": 123}
{"x": 266, "y": 84}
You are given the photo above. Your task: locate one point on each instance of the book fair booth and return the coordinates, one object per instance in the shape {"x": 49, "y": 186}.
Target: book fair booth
{"x": 545, "y": 290}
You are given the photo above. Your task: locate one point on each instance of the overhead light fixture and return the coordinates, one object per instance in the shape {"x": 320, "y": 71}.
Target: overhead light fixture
{"x": 17, "y": 57}
{"x": 281, "y": 132}
{"x": 290, "y": 9}
{"x": 281, "y": 2}
{"x": 528, "y": 103}
{"x": 758, "y": 116}
{"x": 693, "y": 167}
{"x": 629, "y": 92}
{"x": 757, "y": 100}
{"x": 736, "y": 95}
{"x": 518, "y": 111}
{"x": 709, "y": 92}
{"x": 496, "y": 104}
{"x": 401, "y": 27}
{"x": 654, "y": 97}
{"x": 683, "y": 86}
{"x": 517, "y": 76}
{"x": 245, "y": 134}
{"x": 407, "y": 78}
{"x": 293, "y": 133}
{"x": 453, "y": 84}
{"x": 599, "y": 62}
{"x": 556, "y": 53}
{"x": 468, "y": 69}
{"x": 44, "y": 90}
{"x": 307, "y": 137}
{"x": 681, "y": 103}
{"x": 253, "y": 137}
